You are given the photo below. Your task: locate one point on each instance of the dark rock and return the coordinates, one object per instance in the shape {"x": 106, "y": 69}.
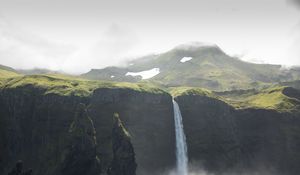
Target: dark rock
{"x": 80, "y": 155}
{"x": 36, "y": 127}
{"x": 224, "y": 140}
{"x": 18, "y": 169}
{"x": 28, "y": 172}
{"x": 149, "y": 120}
{"x": 123, "y": 162}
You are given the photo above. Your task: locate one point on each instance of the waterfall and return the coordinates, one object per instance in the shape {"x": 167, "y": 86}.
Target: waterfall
{"x": 181, "y": 147}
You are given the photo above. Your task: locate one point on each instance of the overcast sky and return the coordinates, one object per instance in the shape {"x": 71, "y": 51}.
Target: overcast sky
{"x": 77, "y": 35}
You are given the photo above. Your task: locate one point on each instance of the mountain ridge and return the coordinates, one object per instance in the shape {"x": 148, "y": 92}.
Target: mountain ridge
{"x": 207, "y": 66}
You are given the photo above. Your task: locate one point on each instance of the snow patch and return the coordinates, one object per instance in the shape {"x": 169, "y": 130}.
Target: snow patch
{"x": 145, "y": 74}
{"x": 185, "y": 59}
{"x": 112, "y": 76}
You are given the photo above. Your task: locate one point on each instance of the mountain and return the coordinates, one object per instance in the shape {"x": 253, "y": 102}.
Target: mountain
{"x": 204, "y": 66}
{"x": 111, "y": 74}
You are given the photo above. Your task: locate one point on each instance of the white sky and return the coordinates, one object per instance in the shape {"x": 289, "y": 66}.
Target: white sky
{"x": 77, "y": 35}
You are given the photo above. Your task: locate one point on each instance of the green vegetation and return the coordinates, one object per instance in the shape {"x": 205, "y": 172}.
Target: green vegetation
{"x": 5, "y": 73}
{"x": 120, "y": 125}
{"x": 209, "y": 68}
{"x": 271, "y": 98}
{"x": 180, "y": 91}
{"x": 68, "y": 85}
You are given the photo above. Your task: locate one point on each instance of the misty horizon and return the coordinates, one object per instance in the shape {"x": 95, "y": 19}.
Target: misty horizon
{"x": 76, "y": 36}
{"x": 126, "y": 61}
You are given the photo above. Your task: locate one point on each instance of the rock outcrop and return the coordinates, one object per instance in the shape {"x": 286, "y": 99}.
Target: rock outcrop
{"x": 18, "y": 169}
{"x": 80, "y": 156}
{"x": 123, "y": 162}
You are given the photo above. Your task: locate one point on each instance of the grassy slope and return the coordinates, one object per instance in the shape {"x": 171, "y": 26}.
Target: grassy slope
{"x": 180, "y": 91}
{"x": 5, "y": 73}
{"x": 69, "y": 85}
{"x": 210, "y": 68}
{"x": 272, "y": 98}
{"x": 269, "y": 98}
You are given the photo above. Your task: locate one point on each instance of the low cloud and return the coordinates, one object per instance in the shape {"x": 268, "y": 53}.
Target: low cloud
{"x": 24, "y": 50}
{"x": 111, "y": 49}
{"x": 294, "y": 2}
{"x": 294, "y": 52}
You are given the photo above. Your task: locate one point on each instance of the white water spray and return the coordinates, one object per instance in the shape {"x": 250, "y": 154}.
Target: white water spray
{"x": 181, "y": 147}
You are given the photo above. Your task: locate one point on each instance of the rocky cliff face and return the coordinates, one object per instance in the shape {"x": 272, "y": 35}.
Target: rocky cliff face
{"x": 121, "y": 131}
{"x": 149, "y": 120}
{"x": 54, "y": 135}
{"x": 224, "y": 140}
{"x": 34, "y": 128}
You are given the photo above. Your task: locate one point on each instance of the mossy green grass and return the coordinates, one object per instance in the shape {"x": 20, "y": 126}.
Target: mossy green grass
{"x": 272, "y": 98}
{"x": 69, "y": 85}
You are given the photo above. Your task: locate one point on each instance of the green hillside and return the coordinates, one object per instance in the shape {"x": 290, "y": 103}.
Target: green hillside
{"x": 278, "y": 98}
{"x": 7, "y": 72}
{"x": 70, "y": 85}
{"x": 209, "y": 68}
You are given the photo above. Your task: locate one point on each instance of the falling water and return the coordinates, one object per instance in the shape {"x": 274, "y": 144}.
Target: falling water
{"x": 181, "y": 147}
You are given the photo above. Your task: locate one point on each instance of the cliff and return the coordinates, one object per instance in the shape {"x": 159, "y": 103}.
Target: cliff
{"x": 223, "y": 137}
{"x": 44, "y": 124}
{"x": 67, "y": 125}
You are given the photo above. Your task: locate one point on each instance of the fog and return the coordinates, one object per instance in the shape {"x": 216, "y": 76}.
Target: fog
{"x": 75, "y": 35}
{"x": 197, "y": 169}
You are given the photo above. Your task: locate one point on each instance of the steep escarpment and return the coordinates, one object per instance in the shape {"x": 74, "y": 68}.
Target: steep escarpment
{"x": 222, "y": 138}
{"x": 62, "y": 125}
{"x": 149, "y": 120}
{"x": 43, "y": 124}
{"x": 35, "y": 128}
